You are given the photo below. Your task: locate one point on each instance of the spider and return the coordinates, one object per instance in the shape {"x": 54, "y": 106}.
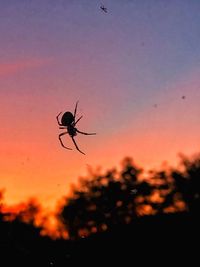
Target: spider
{"x": 68, "y": 122}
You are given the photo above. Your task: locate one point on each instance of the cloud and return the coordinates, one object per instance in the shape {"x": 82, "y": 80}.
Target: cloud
{"x": 22, "y": 65}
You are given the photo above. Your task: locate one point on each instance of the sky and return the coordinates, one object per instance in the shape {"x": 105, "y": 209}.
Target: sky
{"x": 134, "y": 70}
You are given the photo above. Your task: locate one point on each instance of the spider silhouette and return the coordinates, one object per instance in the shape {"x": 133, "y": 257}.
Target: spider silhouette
{"x": 68, "y": 122}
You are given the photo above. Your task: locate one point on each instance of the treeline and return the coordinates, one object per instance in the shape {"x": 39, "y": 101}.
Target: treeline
{"x": 119, "y": 197}
{"x": 118, "y": 214}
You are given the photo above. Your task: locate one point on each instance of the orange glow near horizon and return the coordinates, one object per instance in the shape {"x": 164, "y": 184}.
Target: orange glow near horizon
{"x": 34, "y": 164}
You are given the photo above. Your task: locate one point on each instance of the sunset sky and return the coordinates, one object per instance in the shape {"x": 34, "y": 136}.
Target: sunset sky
{"x": 129, "y": 69}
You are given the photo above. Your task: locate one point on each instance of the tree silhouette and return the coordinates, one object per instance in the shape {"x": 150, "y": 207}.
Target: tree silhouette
{"x": 187, "y": 184}
{"x": 155, "y": 212}
{"x": 117, "y": 198}
{"x": 104, "y": 202}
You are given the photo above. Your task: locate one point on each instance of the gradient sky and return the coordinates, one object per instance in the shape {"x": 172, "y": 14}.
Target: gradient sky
{"x": 118, "y": 65}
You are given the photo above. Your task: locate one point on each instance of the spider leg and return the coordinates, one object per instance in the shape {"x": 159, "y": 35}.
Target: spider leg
{"x": 57, "y": 117}
{"x": 78, "y": 120}
{"x": 85, "y": 133}
{"x": 62, "y": 141}
{"x": 76, "y": 145}
{"x": 75, "y": 110}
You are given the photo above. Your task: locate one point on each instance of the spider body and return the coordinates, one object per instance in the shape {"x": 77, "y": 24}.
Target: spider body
{"x": 68, "y": 122}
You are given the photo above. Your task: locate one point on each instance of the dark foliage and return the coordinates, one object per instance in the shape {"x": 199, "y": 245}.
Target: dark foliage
{"x": 117, "y": 217}
{"x": 119, "y": 198}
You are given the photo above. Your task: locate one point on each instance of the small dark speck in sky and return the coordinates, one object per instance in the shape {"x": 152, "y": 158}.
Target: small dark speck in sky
{"x": 183, "y": 97}
{"x": 103, "y": 8}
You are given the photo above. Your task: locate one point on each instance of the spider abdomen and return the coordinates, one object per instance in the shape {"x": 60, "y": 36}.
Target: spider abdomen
{"x": 71, "y": 130}
{"x": 67, "y": 118}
